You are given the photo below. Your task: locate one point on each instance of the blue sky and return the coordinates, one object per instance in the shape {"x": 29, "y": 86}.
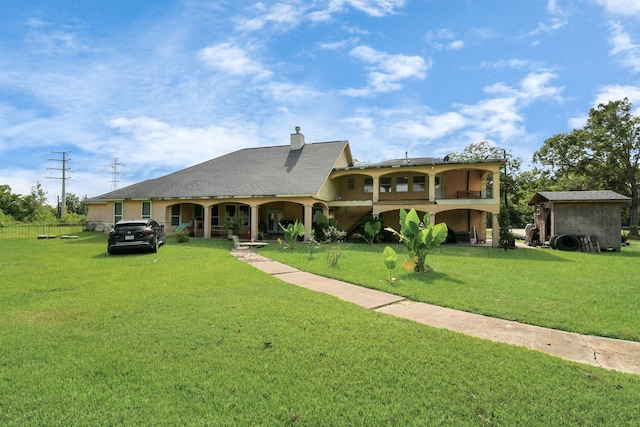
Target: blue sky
{"x": 165, "y": 84}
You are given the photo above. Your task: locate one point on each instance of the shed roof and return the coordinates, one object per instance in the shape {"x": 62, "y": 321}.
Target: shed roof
{"x": 578, "y": 196}
{"x": 262, "y": 171}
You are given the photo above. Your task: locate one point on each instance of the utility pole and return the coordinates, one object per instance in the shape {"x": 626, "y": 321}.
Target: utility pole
{"x": 115, "y": 174}
{"x": 64, "y": 169}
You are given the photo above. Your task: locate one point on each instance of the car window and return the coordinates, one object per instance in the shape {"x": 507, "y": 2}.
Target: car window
{"x": 129, "y": 227}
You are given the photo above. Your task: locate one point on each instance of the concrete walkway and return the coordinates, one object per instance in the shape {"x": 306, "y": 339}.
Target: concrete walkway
{"x": 606, "y": 353}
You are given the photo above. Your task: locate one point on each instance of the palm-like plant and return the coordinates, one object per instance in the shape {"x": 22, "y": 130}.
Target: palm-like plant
{"x": 419, "y": 237}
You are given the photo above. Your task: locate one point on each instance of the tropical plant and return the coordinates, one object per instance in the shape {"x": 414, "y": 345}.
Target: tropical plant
{"x": 232, "y": 225}
{"x": 390, "y": 260}
{"x": 419, "y": 237}
{"x": 292, "y": 232}
{"x": 371, "y": 230}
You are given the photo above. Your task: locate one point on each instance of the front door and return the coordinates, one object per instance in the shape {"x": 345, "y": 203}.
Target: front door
{"x": 273, "y": 219}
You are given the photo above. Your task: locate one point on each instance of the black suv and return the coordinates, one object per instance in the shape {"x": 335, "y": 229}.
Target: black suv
{"x": 136, "y": 233}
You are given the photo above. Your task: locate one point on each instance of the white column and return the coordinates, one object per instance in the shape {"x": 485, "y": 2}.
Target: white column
{"x": 206, "y": 217}
{"x": 432, "y": 187}
{"x": 308, "y": 222}
{"x": 254, "y": 222}
{"x": 376, "y": 189}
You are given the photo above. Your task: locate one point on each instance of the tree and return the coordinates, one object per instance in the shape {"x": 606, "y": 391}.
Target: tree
{"x": 10, "y": 204}
{"x": 74, "y": 204}
{"x": 35, "y": 205}
{"x": 605, "y": 154}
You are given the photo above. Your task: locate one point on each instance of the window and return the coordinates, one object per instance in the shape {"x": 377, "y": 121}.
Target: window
{"x": 215, "y": 215}
{"x": 146, "y": 210}
{"x": 385, "y": 184}
{"x": 243, "y": 214}
{"x": 419, "y": 183}
{"x": 368, "y": 185}
{"x": 402, "y": 184}
{"x": 198, "y": 211}
{"x": 175, "y": 215}
{"x": 117, "y": 211}
{"x": 229, "y": 212}
{"x": 438, "y": 187}
{"x": 351, "y": 183}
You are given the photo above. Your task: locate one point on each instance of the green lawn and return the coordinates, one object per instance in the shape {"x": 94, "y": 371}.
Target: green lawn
{"x": 589, "y": 293}
{"x": 191, "y": 336}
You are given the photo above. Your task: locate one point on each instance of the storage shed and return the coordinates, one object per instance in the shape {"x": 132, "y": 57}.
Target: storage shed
{"x": 581, "y": 213}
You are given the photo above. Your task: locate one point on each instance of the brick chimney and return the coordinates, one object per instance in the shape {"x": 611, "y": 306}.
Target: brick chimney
{"x": 297, "y": 139}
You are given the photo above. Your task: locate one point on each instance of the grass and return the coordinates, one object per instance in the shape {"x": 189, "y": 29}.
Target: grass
{"x": 191, "y": 336}
{"x": 587, "y": 293}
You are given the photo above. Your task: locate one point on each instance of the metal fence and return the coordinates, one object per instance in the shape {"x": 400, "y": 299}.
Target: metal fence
{"x": 34, "y": 230}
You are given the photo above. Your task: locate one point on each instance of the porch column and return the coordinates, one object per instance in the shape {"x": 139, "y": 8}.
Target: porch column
{"x": 495, "y": 234}
{"x": 206, "y": 217}
{"x": 432, "y": 219}
{"x": 308, "y": 222}
{"x": 496, "y": 185}
{"x": 432, "y": 187}
{"x": 254, "y": 221}
{"x": 376, "y": 189}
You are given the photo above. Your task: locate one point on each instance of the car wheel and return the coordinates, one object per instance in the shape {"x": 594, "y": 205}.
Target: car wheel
{"x": 155, "y": 245}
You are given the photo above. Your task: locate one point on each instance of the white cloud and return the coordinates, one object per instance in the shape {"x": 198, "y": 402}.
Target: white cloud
{"x": 494, "y": 118}
{"x": 291, "y": 93}
{"x": 554, "y": 24}
{"x": 387, "y": 71}
{"x": 287, "y": 15}
{"x": 618, "y": 92}
{"x": 623, "y": 46}
{"x": 444, "y": 38}
{"x": 376, "y": 8}
{"x": 536, "y": 85}
{"x": 620, "y": 7}
{"x": 514, "y": 63}
{"x": 174, "y": 146}
{"x": 281, "y": 15}
{"x": 558, "y": 20}
{"x": 47, "y": 39}
{"x": 533, "y": 86}
{"x": 431, "y": 127}
{"x": 233, "y": 60}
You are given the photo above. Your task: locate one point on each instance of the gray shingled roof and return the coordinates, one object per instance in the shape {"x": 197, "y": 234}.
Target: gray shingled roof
{"x": 578, "y": 196}
{"x": 416, "y": 161}
{"x": 263, "y": 171}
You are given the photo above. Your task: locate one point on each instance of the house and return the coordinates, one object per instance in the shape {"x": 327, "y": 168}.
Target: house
{"x": 262, "y": 187}
{"x": 581, "y": 213}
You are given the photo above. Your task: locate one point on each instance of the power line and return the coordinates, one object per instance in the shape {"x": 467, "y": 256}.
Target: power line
{"x": 115, "y": 173}
{"x": 64, "y": 178}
